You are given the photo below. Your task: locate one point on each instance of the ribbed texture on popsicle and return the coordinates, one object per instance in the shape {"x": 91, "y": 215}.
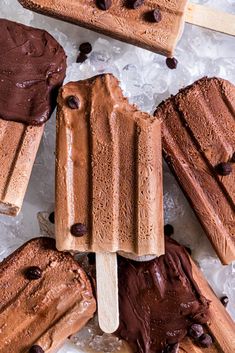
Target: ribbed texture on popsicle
{"x": 44, "y": 311}
{"x": 198, "y": 134}
{"x": 18, "y": 147}
{"x": 108, "y": 171}
{"x": 135, "y": 26}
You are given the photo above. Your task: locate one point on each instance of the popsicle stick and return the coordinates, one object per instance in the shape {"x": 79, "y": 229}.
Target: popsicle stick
{"x": 107, "y": 291}
{"x": 207, "y": 17}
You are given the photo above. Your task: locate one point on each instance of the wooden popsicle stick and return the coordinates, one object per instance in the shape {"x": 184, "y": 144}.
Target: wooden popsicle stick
{"x": 107, "y": 291}
{"x": 187, "y": 346}
{"x": 207, "y": 17}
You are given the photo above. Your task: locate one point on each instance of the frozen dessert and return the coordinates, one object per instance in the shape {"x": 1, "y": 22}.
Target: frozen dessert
{"x": 45, "y": 297}
{"x": 156, "y": 26}
{"x": 199, "y": 145}
{"x": 33, "y": 67}
{"x": 108, "y": 182}
{"x": 108, "y": 172}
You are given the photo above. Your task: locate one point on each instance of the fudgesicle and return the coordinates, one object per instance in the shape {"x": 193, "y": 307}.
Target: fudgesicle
{"x": 108, "y": 172}
{"x": 198, "y": 136}
{"x": 33, "y": 67}
{"x": 153, "y": 25}
{"x": 45, "y": 297}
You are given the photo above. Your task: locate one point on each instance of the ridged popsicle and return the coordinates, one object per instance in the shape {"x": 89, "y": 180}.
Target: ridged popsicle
{"x": 122, "y": 21}
{"x": 108, "y": 171}
{"x": 198, "y": 136}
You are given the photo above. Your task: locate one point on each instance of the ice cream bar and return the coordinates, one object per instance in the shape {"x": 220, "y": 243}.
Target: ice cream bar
{"x": 108, "y": 172}
{"x": 32, "y": 69}
{"x": 155, "y": 25}
{"x": 108, "y": 182}
{"x": 138, "y": 26}
{"x": 45, "y": 297}
{"x": 166, "y": 302}
{"x": 199, "y": 145}
{"x": 18, "y": 147}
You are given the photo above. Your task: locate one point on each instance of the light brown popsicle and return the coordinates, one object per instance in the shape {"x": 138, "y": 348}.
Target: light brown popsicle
{"x": 108, "y": 172}
{"x": 18, "y": 147}
{"x": 138, "y": 25}
{"x": 108, "y": 182}
{"x": 198, "y": 135}
{"x": 45, "y": 306}
{"x": 121, "y": 21}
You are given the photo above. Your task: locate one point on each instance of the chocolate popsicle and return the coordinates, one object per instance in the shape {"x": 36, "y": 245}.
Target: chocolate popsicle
{"x": 33, "y": 67}
{"x": 162, "y": 299}
{"x": 108, "y": 172}
{"x": 158, "y": 31}
{"x": 199, "y": 144}
{"x": 45, "y": 297}
{"x": 108, "y": 182}
{"x": 155, "y": 25}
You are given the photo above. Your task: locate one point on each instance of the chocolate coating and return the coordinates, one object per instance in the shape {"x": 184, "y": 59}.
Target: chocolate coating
{"x": 159, "y": 300}
{"x": 32, "y": 68}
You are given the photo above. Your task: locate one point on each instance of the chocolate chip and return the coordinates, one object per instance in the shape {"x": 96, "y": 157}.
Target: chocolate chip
{"x": 73, "y": 102}
{"x": 91, "y": 258}
{"x": 157, "y": 15}
{"x": 172, "y": 348}
{"x": 36, "y": 349}
{"x": 224, "y": 168}
{"x": 33, "y": 272}
{"x": 172, "y": 63}
{"x": 224, "y": 300}
{"x": 205, "y": 340}
{"x": 137, "y": 3}
{"x": 104, "y": 4}
{"x": 85, "y": 48}
{"x": 81, "y": 58}
{"x": 168, "y": 230}
{"x": 188, "y": 250}
{"x": 195, "y": 331}
{"x": 78, "y": 229}
{"x": 233, "y": 158}
{"x": 52, "y": 217}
